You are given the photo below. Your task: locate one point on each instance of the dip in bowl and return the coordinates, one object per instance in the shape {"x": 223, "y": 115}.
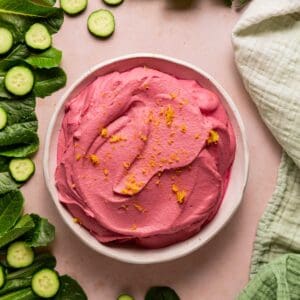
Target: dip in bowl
{"x": 146, "y": 158}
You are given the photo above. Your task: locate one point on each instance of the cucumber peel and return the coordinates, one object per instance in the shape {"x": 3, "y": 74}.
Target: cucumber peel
{"x": 113, "y": 2}
{"x": 125, "y": 297}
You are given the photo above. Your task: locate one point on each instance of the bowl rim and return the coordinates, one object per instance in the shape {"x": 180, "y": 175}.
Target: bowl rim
{"x": 99, "y": 247}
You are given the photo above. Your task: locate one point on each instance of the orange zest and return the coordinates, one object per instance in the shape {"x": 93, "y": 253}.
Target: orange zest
{"x": 126, "y": 165}
{"x": 139, "y": 207}
{"x": 133, "y": 227}
{"x": 183, "y": 128}
{"x": 180, "y": 194}
{"x": 197, "y": 136}
{"x": 169, "y": 115}
{"x": 116, "y": 138}
{"x": 94, "y": 159}
{"x": 132, "y": 186}
{"x": 104, "y": 132}
{"x": 213, "y": 137}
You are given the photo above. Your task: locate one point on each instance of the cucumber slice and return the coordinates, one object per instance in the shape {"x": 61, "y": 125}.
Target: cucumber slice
{"x": 3, "y": 118}
{"x": 38, "y": 37}
{"x": 125, "y": 297}
{"x": 113, "y": 2}
{"x": 2, "y": 276}
{"x": 73, "y": 7}
{"x": 21, "y": 169}
{"x": 6, "y": 40}
{"x": 19, "y": 255}
{"x": 19, "y": 80}
{"x": 45, "y": 283}
{"x": 101, "y": 23}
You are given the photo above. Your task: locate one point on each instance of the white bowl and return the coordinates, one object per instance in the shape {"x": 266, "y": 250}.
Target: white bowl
{"x": 239, "y": 171}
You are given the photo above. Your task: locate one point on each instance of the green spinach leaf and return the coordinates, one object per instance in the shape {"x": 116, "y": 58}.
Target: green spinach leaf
{"x": 19, "y": 111}
{"x": 42, "y": 234}
{"x": 70, "y": 290}
{"x": 3, "y": 92}
{"x": 24, "y": 225}
{"x": 49, "y": 81}
{"x": 21, "y": 150}
{"x": 4, "y": 161}
{"x": 15, "y": 284}
{"x": 20, "y": 15}
{"x": 13, "y": 58}
{"x": 7, "y": 184}
{"x": 11, "y": 207}
{"x": 48, "y": 59}
{"x": 45, "y": 2}
{"x": 19, "y": 140}
{"x": 161, "y": 293}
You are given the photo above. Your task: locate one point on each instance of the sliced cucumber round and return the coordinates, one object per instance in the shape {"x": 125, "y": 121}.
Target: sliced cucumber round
{"x": 3, "y": 118}
{"x": 21, "y": 169}
{"x": 113, "y": 2}
{"x": 125, "y": 297}
{"x": 19, "y": 255}
{"x": 19, "y": 80}
{"x": 6, "y": 40}
{"x": 73, "y": 7}
{"x": 45, "y": 283}
{"x": 2, "y": 276}
{"x": 38, "y": 37}
{"x": 101, "y": 23}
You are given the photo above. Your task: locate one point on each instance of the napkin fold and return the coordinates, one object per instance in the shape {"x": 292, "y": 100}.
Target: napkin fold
{"x": 267, "y": 52}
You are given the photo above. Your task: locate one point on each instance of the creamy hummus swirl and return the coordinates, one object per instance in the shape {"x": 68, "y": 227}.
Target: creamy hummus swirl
{"x": 144, "y": 157}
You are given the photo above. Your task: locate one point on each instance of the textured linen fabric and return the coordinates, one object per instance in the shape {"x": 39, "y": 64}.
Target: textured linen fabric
{"x": 267, "y": 51}
{"x": 277, "y": 280}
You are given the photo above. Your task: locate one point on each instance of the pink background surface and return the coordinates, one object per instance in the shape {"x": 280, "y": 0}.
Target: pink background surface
{"x": 200, "y": 34}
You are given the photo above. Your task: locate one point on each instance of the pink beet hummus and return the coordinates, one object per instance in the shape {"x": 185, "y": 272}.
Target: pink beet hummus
{"x": 144, "y": 157}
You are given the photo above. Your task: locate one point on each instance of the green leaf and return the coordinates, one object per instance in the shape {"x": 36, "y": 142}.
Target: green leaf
{"x": 48, "y": 59}
{"x": 22, "y": 14}
{"x": 45, "y": 2}
{"x": 70, "y": 290}
{"x": 24, "y": 225}
{"x": 4, "y": 161}
{"x": 22, "y": 294}
{"x": 49, "y": 81}
{"x": 3, "y": 92}
{"x": 19, "y": 139}
{"x": 161, "y": 293}
{"x": 42, "y": 234}
{"x": 19, "y": 111}
{"x": 15, "y": 284}
{"x": 7, "y": 184}
{"x": 20, "y": 150}
{"x": 11, "y": 206}
{"x": 228, "y": 2}
{"x": 13, "y": 58}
